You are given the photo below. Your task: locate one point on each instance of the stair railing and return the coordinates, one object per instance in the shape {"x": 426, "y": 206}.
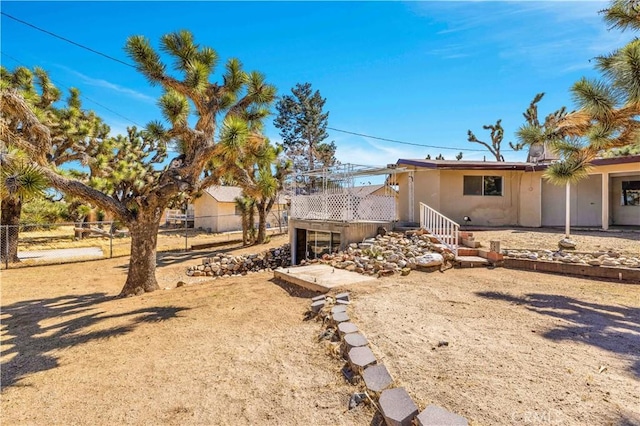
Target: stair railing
{"x": 440, "y": 226}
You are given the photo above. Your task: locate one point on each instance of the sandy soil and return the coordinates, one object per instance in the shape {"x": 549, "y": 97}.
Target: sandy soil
{"x": 231, "y": 351}
{"x": 521, "y": 346}
{"x": 625, "y": 242}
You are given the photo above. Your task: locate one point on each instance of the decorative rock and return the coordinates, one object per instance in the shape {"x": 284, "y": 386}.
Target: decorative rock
{"x": 567, "y": 243}
{"x": 397, "y": 407}
{"x": 343, "y": 302}
{"x": 343, "y": 296}
{"x": 354, "y": 340}
{"x": 405, "y": 271}
{"x": 430, "y": 259}
{"x": 435, "y": 416}
{"x": 340, "y": 317}
{"x": 361, "y": 357}
{"x": 180, "y": 284}
{"x": 377, "y": 378}
{"x": 338, "y": 308}
{"x": 347, "y": 327}
{"x": 317, "y": 306}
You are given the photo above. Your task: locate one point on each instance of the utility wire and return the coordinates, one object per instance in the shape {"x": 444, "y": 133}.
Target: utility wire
{"x": 408, "y": 143}
{"x": 134, "y": 67}
{"x": 67, "y": 40}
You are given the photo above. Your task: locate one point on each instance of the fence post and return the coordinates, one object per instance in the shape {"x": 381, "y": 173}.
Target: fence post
{"x": 111, "y": 240}
{"x": 6, "y": 247}
{"x": 186, "y": 233}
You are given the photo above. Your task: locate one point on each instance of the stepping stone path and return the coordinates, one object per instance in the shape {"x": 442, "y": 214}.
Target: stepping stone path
{"x": 377, "y": 378}
{"x": 347, "y": 327}
{"x": 361, "y": 357}
{"x": 354, "y": 340}
{"x": 339, "y": 317}
{"x": 396, "y": 405}
{"x": 317, "y": 305}
{"x": 343, "y": 297}
{"x": 338, "y": 308}
{"x": 398, "y": 409}
{"x": 436, "y": 416}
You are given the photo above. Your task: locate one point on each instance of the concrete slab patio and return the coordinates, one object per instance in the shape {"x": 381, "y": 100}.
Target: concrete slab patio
{"x": 322, "y": 278}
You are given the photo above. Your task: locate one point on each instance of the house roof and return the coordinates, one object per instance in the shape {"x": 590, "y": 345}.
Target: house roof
{"x": 504, "y": 165}
{"x": 228, "y": 194}
{"x": 626, "y": 159}
{"x": 466, "y": 165}
{"x": 365, "y": 189}
{"x": 224, "y": 194}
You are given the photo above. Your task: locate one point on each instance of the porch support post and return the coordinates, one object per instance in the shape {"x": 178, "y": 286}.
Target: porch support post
{"x": 567, "y": 210}
{"x": 605, "y": 201}
{"x": 412, "y": 207}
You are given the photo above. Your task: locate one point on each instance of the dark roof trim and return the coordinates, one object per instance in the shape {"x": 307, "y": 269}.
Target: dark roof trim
{"x": 503, "y": 165}
{"x": 466, "y": 165}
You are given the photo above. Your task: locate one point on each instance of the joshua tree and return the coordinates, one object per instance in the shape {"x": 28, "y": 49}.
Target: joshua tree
{"x": 19, "y": 182}
{"x": 497, "y": 133}
{"x": 142, "y": 188}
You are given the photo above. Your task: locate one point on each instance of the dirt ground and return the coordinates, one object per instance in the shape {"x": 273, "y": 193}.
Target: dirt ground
{"x": 231, "y": 351}
{"x": 523, "y": 348}
{"x": 623, "y": 241}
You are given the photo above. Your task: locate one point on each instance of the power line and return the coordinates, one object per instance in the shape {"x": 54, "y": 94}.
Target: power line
{"x": 330, "y": 128}
{"x": 67, "y": 40}
{"x": 409, "y": 143}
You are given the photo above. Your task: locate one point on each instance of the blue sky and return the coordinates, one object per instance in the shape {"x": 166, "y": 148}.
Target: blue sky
{"x": 420, "y": 72}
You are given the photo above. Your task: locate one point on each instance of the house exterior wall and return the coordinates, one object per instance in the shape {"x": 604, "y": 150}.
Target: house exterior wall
{"x": 527, "y": 200}
{"x": 206, "y": 213}
{"x": 228, "y": 220}
{"x": 426, "y": 187}
{"x": 585, "y": 203}
{"x": 621, "y": 214}
{"x": 221, "y": 217}
{"x": 585, "y": 199}
{"x": 483, "y": 210}
{"x": 530, "y": 199}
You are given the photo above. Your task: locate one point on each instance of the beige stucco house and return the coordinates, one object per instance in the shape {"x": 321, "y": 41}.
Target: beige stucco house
{"x": 515, "y": 193}
{"x": 215, "y": 210}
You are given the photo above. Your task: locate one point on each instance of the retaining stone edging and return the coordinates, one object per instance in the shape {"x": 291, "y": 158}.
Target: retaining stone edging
{"x": 394, "y": 403}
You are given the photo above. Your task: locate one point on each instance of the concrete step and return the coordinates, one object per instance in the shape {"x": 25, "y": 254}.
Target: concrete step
{"x": 471, "y": 261}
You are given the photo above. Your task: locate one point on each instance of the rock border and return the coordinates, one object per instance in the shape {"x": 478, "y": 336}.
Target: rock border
{"x": 394, "y": 403}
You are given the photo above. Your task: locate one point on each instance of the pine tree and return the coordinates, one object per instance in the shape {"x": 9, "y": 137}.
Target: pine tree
{"x": 303, "y": 125}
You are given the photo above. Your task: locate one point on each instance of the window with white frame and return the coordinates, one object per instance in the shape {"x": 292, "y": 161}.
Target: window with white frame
{"x": 482, "y": 185}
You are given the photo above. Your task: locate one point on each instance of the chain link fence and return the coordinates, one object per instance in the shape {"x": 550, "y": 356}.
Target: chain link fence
{"x": 49, "y": 243}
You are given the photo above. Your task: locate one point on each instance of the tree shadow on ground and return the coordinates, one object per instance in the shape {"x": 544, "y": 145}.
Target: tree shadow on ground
{"x": 612, "y": 328}
{"x": 28, "y": 341}
{"x": 168, "y": 258}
